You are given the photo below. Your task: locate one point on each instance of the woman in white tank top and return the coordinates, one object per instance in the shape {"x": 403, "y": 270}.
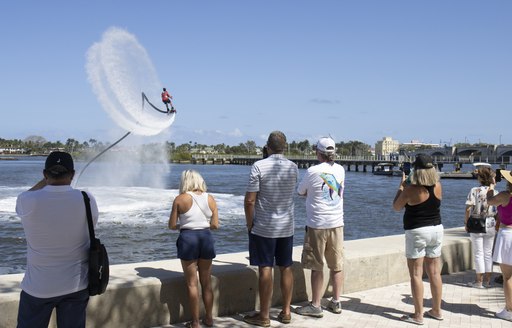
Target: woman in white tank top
{"x": 194, "y": 213}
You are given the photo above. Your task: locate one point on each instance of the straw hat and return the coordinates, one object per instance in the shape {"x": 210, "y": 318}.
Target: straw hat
{"x": 506, "y": 175}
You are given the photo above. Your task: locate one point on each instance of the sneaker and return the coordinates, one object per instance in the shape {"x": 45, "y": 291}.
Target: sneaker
{"x": 310, "y": 310}
{"x": 504, "y": 314}
{"x": 475, "y": 284}
{"x": 334, "y": 306}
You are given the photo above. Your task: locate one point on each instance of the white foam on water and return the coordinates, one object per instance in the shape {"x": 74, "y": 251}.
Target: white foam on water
{"x": 119, "y": 70}
{"x": 137, "y": 205}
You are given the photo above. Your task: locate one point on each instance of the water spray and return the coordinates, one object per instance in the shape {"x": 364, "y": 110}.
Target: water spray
{"x": 119, "y": 68}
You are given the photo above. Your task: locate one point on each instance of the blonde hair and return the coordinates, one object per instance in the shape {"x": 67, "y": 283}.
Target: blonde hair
{"x": 191, "y": 180}
{"x": 425, "y": 177}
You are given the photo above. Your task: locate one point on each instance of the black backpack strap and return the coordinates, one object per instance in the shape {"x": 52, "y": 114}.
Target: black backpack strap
{"x": 87, "y": 202}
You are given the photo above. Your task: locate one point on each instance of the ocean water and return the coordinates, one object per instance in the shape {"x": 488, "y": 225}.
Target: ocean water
{"x": 135, "y": 200}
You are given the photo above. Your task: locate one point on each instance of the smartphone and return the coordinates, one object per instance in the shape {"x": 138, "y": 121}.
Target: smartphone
{"x": 406, "y": 167}
{"x": 498, "y": 175}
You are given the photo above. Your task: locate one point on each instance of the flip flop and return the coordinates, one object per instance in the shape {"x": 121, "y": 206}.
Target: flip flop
{"x": 430, "y": 315}
{"x": 409, "y": 319}
{"x": 206, "y": 324}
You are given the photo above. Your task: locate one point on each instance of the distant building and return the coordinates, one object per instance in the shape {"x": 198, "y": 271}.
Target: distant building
{"x": 419, "y": 144}
{"x": 386, "y": 146}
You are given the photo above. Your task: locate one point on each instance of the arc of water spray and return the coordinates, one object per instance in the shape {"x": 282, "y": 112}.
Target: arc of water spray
{"x": 101, "y": 153}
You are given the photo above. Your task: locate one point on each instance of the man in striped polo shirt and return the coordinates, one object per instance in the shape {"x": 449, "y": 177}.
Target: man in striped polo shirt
{"x": 268, "y": 209}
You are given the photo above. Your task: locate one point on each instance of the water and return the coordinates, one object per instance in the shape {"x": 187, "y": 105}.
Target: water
{"x": 133, "y": 216}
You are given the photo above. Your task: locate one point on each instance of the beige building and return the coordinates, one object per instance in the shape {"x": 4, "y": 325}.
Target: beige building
{"x": 386, "y": 146}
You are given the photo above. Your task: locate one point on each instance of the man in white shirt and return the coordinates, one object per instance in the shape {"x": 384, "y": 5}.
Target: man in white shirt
{"x": 55, "y": 224}
{"x": 323, "y": 187}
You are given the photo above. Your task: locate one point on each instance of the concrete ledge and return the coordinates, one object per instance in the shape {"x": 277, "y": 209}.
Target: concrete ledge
{"x": 154, "y": 293}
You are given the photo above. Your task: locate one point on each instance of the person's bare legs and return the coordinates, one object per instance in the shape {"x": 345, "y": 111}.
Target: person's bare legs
{"x": 286, "y": 287}
{"x": 433, "y": 268}
{"x": 416, "y": 273}
{"x": 205, "y": 269}
{"x": 317, "y": 282}
{"x": 265, "y": 285}
{"x": 190, "y": 271}
{"x": 479, "y": 278}
{"x": 487, "y": 279}
{"x": 506, "y": 270}
{"x": 337, "y": 284}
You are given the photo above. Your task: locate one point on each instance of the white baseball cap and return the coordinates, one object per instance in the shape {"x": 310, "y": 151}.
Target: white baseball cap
{"x": 326, "y": 145}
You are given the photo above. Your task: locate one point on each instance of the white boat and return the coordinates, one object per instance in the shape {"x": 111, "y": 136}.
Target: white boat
{"x": 388, "y": 169}
{"x": 481, "y": 164}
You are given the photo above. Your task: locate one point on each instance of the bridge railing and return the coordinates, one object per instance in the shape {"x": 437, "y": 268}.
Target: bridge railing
{"x": 361, "y": 159}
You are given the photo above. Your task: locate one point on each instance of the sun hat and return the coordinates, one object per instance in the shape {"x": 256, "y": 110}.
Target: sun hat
{"x": 326, "y": 145}
{"x": 59, "y": 162}
{"x": 423, "y": 162}
{"x": 506, "y": 175}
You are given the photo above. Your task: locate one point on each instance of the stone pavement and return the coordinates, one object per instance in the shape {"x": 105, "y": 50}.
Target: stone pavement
{"x": 463, "y": 307}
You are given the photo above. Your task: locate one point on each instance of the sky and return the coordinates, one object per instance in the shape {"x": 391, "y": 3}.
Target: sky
{"x": 434, "y": 71}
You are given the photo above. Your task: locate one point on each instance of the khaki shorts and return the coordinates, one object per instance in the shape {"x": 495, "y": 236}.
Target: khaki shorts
{"x": 320, "y": 244}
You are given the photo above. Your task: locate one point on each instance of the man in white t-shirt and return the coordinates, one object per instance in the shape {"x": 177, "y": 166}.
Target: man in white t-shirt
{"x": 55, "y": 224}
{"x": 323, "y": 187}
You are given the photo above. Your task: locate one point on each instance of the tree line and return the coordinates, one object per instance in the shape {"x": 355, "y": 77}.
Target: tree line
{"x": 33, "y": 145}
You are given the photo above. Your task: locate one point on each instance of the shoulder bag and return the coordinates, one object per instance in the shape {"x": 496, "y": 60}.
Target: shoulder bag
{"x": 477, "y": 224}
{"x": 99, "y": 271}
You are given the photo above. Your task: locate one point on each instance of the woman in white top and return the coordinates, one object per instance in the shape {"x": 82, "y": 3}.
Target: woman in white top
{"x": 476, "y": 206}
{"x": 197, "y": 214}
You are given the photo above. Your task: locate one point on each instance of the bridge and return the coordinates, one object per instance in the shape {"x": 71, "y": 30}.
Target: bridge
{"x": 491, "y": 154}
{"x": 458, "y": 156}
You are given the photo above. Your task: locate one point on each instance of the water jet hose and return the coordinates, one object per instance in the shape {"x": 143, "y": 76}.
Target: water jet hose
{"x": 101, "y": 153}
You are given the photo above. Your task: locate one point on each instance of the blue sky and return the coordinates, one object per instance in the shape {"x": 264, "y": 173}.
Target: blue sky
{"x": 434, "y": 71}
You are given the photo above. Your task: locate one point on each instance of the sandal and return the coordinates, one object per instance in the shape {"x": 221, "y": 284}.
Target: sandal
{"x": 410, "y": 319}
{"x": 284, "y": 318}
{"x": 203, "y": 322}
{"x": 256, "y": 320}
{"x": 430, "y": 315}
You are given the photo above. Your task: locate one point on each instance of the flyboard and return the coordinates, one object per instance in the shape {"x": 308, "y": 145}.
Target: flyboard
{"x": 144, "y": 99}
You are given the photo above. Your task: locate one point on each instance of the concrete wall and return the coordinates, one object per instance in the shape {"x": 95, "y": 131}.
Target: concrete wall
{"x": 153, "y": 293}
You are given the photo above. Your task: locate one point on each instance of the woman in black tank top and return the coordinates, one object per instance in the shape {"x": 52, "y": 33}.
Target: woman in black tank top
{"x": 420, "y": 194}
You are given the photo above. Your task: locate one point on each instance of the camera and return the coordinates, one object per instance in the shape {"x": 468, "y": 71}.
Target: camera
{"x": 498, "y": 175}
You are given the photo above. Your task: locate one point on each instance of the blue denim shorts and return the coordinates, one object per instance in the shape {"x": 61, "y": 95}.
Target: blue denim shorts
{"x": 262, "y": 251}
{"x": 195, "y": 244}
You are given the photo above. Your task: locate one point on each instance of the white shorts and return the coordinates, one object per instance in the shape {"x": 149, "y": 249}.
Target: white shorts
{"x": 424, "y": 242}
{"x": 503, "y": 247}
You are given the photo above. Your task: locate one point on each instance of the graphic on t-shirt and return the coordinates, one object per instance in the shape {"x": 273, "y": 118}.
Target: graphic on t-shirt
{"x": 333, "y": 186}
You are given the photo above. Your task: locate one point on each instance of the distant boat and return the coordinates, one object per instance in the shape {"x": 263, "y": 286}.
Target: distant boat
{"x": 481, "y": 164}
{"x": 388, "y": 169}
{"x": 465, "y": 174}
{"x": 457, "y": 175}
